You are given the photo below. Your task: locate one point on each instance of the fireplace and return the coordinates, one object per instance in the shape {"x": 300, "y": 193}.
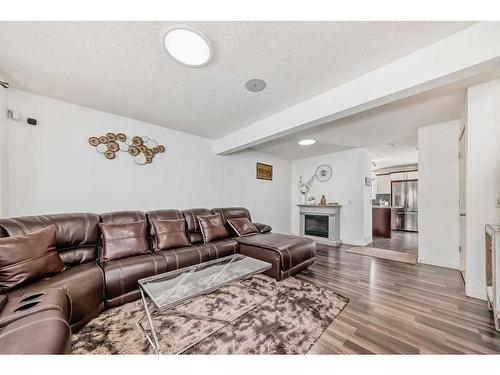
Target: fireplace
{"x": 321, "y": 223}
{"x": 316, "y": 225}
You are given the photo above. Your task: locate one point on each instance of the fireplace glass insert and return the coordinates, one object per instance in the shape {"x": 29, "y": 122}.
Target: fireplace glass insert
{"x": 316, "y": 225}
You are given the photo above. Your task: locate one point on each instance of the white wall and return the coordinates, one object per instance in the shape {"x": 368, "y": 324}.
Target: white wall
{"x": 54, "y": 169}
{"x": 438, "y": 194}
{"x": 345, "y": 187}
{"x": 3, "y": 147}
{"x": 483, "y": 177}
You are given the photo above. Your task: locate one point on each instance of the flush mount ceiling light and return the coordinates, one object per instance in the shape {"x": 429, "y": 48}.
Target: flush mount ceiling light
{"x": 187, "y": 46}
{"x": 307, "y": 142}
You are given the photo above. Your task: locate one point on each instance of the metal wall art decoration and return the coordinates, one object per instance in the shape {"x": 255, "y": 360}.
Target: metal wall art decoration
{"x": 143, "y": 149}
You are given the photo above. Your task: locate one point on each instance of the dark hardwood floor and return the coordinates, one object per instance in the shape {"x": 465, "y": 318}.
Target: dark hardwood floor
{"x": 399, "y": 308}
{"x": 400, "y": 241}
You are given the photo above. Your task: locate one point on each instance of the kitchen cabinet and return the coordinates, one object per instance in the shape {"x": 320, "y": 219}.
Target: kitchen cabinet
{"x": 383, "y": 181}
{"x": 383, "y": 184}
{"x": 412, "y": 175}
{"x": 399, "y": 176}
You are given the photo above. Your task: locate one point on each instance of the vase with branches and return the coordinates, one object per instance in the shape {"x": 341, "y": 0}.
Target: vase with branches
{"x": 304, "y": 187}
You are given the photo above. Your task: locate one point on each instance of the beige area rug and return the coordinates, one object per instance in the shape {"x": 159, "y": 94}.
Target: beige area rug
{"x": 287, "y": 317}
{"x": 398, "y": 256}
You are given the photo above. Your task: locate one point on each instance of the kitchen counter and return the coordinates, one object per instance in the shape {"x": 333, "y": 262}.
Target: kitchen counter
{"x": 382, "y": 220}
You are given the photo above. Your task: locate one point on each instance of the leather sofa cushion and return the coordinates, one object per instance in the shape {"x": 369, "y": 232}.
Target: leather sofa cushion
{"x": 212, "y": 227}
{"x": 46, "y": 332}
{"x": 193, "y": 227}
{"x": 242, "y": 226}
{"x": 196, "y": 254}
{"x": 123, "y": 240}
{"x": 3, "y": 301}
{"x": 263, "y": 228}
{"x": 77, "y": 234}
{"x": 292, "y": 250}
{"x": 83, "y": 283}
{"x": 121, "y": 275}
{"x": 32, "y": 303}
{"x": 170, "y": 234}
{"x": 223, "y": 248}
{"x": 29, "y": 257}
{"x": 185, "y": 256}
{"x": 170, "y": 214}
{"x": 231, "y": 213}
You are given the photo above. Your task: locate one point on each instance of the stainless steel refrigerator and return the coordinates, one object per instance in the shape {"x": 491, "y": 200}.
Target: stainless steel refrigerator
{"x": 404, "y": 195}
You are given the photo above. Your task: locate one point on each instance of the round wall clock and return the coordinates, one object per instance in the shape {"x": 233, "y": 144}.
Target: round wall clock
{"x": 324, "y": 173}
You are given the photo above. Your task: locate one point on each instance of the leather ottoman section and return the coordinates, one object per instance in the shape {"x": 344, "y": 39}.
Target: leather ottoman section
{"x": 223, "y": 248}
{"x": 121, "y": 276}
{"x": 186, "y": 256}
{"x": 298, "y": 268}
{"x": 266, "y": 256}
{"x": 45, "y": 332}
{"x": 83, "y": 283}
{"x": 294, "y": 252}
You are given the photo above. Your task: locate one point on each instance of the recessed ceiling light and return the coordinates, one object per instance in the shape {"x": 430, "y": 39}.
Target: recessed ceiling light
{"x": 187, "y": 46}
{"x": 307, "y": 142}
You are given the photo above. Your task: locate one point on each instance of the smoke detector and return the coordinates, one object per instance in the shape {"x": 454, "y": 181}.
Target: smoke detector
{"x": 255, "y": 85}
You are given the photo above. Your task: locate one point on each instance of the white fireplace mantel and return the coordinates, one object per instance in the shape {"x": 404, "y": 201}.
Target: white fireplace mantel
{"x": 333, "y": 213}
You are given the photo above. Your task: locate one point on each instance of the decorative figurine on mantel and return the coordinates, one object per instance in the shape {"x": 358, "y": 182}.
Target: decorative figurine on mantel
{"x": 304, "y": 188}
{"x": 322, "y": 201}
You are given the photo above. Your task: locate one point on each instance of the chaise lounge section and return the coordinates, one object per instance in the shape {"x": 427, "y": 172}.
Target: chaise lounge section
{"x": 93, "y": 281}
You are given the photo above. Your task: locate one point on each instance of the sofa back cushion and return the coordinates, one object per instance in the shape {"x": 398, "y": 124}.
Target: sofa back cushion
{"x": 242, "y": 226}
{"x": 230, "y": 213}
{"x": 160, "y": 215}
{"x": 28, "y": 257}
{"x": 170, "y": 234}
{"x": 212, "y": 227}
{"x": 193, "y": 227}
{"x": 126, "y": 240}
{"x": 77, "y": 234}
{"x": 123, "y": 240}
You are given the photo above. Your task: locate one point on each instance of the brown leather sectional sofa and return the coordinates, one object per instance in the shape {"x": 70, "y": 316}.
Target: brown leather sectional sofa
{"x": 63, "y": 303}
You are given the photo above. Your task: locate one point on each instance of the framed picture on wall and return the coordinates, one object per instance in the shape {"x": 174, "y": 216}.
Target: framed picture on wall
{"x": 264, "y": 171}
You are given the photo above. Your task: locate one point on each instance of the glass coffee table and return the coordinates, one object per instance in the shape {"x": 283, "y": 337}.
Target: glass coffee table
{"x": 172, "y": 289}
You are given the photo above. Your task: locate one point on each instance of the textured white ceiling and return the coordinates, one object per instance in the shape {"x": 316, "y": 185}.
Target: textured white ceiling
{"x": 388, "y": 132}
{"x": 122, "y": 68}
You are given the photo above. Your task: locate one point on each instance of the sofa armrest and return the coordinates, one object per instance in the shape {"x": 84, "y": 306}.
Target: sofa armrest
{"x": 263, "y": 228}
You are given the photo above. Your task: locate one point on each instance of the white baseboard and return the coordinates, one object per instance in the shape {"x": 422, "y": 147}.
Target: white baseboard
{"x": 475, "y": 294}
{"x": 431, "y": 263}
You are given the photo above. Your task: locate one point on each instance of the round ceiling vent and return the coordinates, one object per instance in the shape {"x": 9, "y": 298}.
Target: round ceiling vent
{"x": 255, "y": 85}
